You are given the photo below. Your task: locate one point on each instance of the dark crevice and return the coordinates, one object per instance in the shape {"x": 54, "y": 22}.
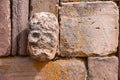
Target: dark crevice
{"x": 87, "y": 68}
{"x": 59, "y": 4}
{"x": 11, "y": 42}
{"x": 29, "y": 10}
{"x": 18, "y": 27}
{"x": 118, "y": 51}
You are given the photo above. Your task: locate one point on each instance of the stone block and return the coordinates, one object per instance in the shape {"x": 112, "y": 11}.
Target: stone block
{"x": 63, "y": 70}
{"x": 22, "y": 68}
{"x": 5, "y": 28}
{"x": 103, "y": 68}
{"x": 17, "y": 68}
{"x": 20, "y": 12}
{"x": 37, "y": 6}
{"x": 89, "y": 28}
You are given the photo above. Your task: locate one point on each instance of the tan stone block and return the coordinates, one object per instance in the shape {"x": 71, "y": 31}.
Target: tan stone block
{"x": 19, "y": 68}
{"x": 63, "y": 70}
{"x": 103, "y": 68}
{"x": 89, "y": 29}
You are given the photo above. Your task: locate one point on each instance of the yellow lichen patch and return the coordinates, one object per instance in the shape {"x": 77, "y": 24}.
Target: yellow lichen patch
{"x": 39, "y": 65}
{"x": 5, "y": 67}
{"x": 79, "y": 53}
{"x": 52, "y": 71}
{"x": 5, "y": 58}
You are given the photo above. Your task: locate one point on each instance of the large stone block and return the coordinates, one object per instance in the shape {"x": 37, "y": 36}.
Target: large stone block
{"x": 63, "y": 70}
{"x": 19, "y": 68}
{"x": 37, "y": 6}
{"x": 5, "y": 28}
{"x": 103, "y": 68}
{"x": 20, "y": 11}
{"x": 43, "y": 38}
{"x": 89, "y": 28}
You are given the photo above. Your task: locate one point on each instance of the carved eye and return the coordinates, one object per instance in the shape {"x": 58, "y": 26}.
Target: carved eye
{"x": 38, "y": 23}
{"x": 36, "y": 35}
{"x": 34, "y": 22}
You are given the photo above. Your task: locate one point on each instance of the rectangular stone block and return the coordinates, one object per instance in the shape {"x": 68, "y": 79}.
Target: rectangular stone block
{"x": 5, "y": 28}
{"x": 89, "y": 29}
{"x": 20, "y": 12}
{"x": 103, "y": 68}
{"x": 19, "y": 68}
{"x": 37, "y": 6}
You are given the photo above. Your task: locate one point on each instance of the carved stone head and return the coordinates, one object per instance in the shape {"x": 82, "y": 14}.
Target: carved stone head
{"x": 43, "y": 36}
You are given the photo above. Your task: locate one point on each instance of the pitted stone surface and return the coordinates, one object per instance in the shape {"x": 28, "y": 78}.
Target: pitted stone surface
{"x": 89, "y": 28}
{"x": 43, "y": 36}
{"x": 103, "y": 68}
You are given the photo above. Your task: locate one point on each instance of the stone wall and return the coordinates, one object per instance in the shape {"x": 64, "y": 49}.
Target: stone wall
{"x": 88, "y": 45}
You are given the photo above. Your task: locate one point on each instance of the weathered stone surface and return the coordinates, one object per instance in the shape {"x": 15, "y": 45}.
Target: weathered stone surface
{"x": 19, "y": 68}
{"x": 89, "y": 29}
{"x": 5, "y": 28}
{"x": 103, "y": 68}
{"x": 63, "y": 70}
{"x": 37, "y": 6}
{"x": 20, "y": 11}
{"x": 43, "y": 37}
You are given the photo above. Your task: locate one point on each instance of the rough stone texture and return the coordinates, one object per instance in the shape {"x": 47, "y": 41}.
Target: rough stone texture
{"x": 20, "y": 11}
{"x": 63, "y": 70}
{"x": 103, "y": 68}
{"x": 37, "y": 6}
{"x": 5, "y": 28}
{"x": 43, "y": 37}
{"x": 19, "y": 68}
{"x": 89, "y": 29}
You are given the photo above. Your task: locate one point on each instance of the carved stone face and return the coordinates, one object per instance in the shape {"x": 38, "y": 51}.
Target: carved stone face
{"x": 43, "y": 36}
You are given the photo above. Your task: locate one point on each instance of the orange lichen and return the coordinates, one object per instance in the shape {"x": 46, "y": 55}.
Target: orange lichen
{"x": 5, "y": 58}
{"x": 5, "y": 67}
{"x": 51, "y": 70}
{"x": 39, "y": 65}
{"x": 79, "y": 53}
